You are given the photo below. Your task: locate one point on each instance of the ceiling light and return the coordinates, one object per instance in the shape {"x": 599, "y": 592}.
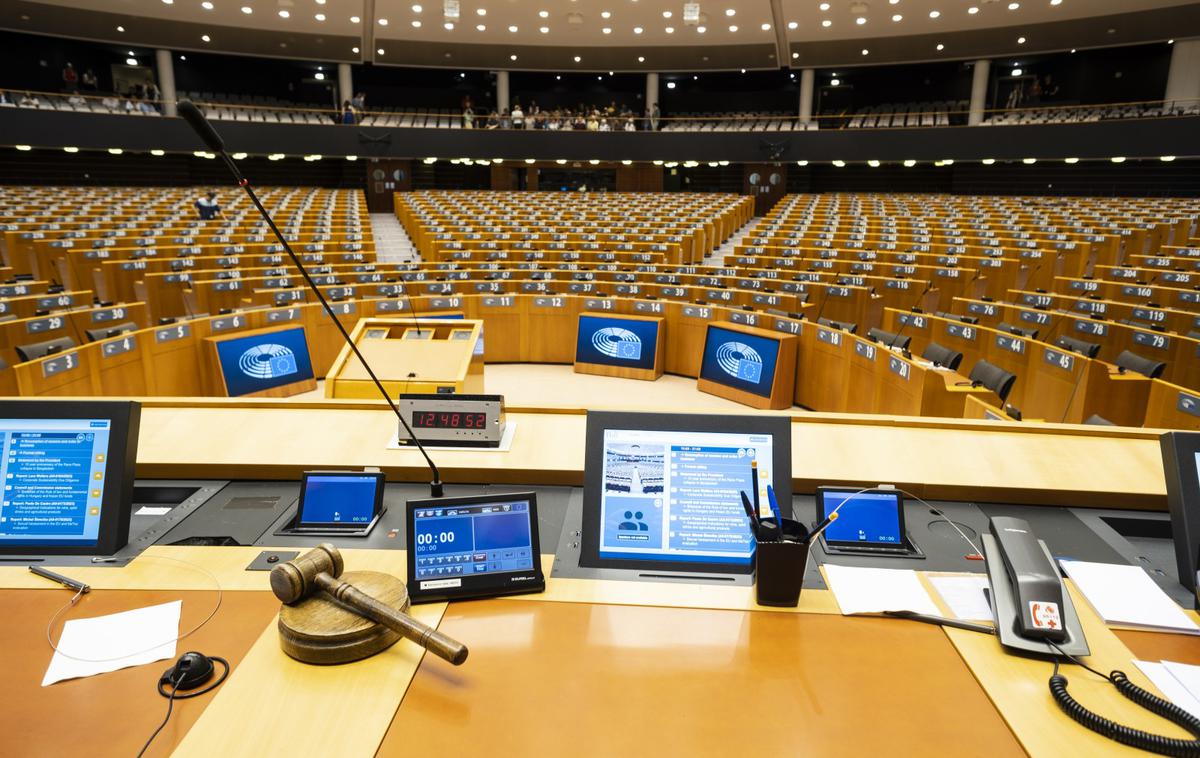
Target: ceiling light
{"x": 247, "y": 10}
{"x": 383, "y": 22}
{"x": 603, "y": 14}
{"x": 1118, "y": 159}
{"x": 354, "y": 50}
{"x": 1070, "y": 160}
{"x": 839, "y": 164}
{"x": 206, "y": 5}
{"x": 275, "y": 157}
{"x": 168, "y": 2}
{"x": 379, "y": 51}
{"x": 1056, "y": 2}
{"x": 158, "y": 153}
{"x": 637, "y": 30}
{"x": 873, "y": 164}
{"x": 319, "y": 76}
{"x": 988, "y": 161}
{"x": 560, "y": 161}
{"x": 480, "y": 27}
{"x": 934, "y": 14}
{"x": 351, "y": 157}
{"x": 594, "y": 162}
{"x": 897, "y": 18}
{"x": 909, "y": 163}
{"x": 429, "y": 161}
{"x": 120, "y": 28}
{"x": 416, "y": 24}
{"x": 1013, "y": 6}
{"x": 531, "y": 160}
{"x": 795, "y": 56}
{"x": 972, "y": 10}
{"x": 1167, "y": 158}
{"x": 131, "y": 61}
{"x": 577, "y": 59}
{"x": 666, "y": 14}
{"x": 546, "y": 14}
{"x": 512, "y": 57}
{"x": 730, "y": 11}
{"x": 733, "y": 27}
{"x": 606, "y": 30}
{"x": 205, "y": 38}
{"x": 1072, "y": 51}
{"x": 1020, "y": 40}
{"x": 792, "y": 24}
{"x": 801, "y": 163}
{"x": 284, "y": 13}
{"x": 320, "y": 17}
{"x": 860, "y": 20}
{"x": 670, "y": 85}
{"x": 1016, "y": 72}
{"x": 417, "y": 9}
{"x": 765, "y": 27}
{"x": 641, "y": 59}
{"x": 183, "y": 57}
{"x": 236, "y": 156}
{"x": 449, "y": 26}
{"x": 826, "y": 23}
{"x": 941, "y": 47}
{"x": 1029, "y": 161}
{"x": 513, "y": 29}
{"x": 1169, "y": 42}
{"x": 131, "y": 53}
{"x": 824, "y": 6}
{"x": 834, "y": 82}
{"x": 117, "y": 150}
{"x": 701, "y": 29}
{"x": 70, "y": 149}
{"x": 865, "y": 51}
{"x": 355, "y": 19}
{"x": 669, "y": 30}
{"x": 481, "y": 11}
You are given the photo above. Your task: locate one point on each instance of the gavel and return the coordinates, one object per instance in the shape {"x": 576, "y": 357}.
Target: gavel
{"x": 319, "y": 569}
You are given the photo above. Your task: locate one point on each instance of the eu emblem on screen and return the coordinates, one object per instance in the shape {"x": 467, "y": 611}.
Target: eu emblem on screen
{"x": 607, "y": 341}
{"x": 267, "y": 361}
{"x": 740, "y": 361}
{"x": 616, "y": 342}
{"x": 258, "y": 362}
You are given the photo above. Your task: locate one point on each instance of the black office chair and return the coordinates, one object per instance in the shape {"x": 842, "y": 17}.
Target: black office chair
{"x": 844, "y": 325}
{"x": 1144, "y": 366}
{"x": 1020, "y": 331}
{"x": 104, "y": 332}
{"x": 1097, "y": 420}
{"x": 891, "y": 339}
{"x": 941, "y": 355}
{"x": 35, "y": 350}
{"x": 955, "y": 317}
{"x": 994, "y": 378}
{"x": 1083, "y": 347}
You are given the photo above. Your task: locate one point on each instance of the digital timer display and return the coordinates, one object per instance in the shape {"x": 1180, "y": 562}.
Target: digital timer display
{"x": 449, "y": 420}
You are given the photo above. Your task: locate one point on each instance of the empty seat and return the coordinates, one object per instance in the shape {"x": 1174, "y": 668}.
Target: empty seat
{"x": 104, "y": 332}
{"x": 994, "y": 378}
{"x": 1083, "y": 347}
{"x": 940, "y": 355}
{"x": 1004, "y": 326}
{"x": 35, "y": 350}
{"x": 843, "y": 325}
{"x": 891, "y": 339}
{"x": 1143, "y": 366}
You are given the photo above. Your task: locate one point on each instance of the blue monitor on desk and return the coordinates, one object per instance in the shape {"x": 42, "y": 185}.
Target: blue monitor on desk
{"x": 739, "y": 360}
{"x": 627, "y": 343}
{"x": 263, "y": 361}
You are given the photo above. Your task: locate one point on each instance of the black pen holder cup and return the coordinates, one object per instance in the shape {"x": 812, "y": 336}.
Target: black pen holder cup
{"x": 779, "y": 566}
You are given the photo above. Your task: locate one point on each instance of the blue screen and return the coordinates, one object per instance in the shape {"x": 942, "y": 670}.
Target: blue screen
{"x": 262, "y": 361}
{"x": 616, "y": 342}
{"x": 468, "y": 540}
{"x": 738, "y": 360}
{"x": 53, "y": 472}
{"x": 338, "y": 499}
{"x": 870, "y": 518}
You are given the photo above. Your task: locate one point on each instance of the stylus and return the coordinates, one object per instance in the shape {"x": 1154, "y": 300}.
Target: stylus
{"x": 939, "y": 621}
{"x": 821, "y": 527}
{"x": 63, "y": 580}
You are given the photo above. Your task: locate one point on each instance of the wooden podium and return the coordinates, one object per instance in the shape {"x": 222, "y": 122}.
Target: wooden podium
{"x": 723, "y": 381}
{"x": 423, "y": 355}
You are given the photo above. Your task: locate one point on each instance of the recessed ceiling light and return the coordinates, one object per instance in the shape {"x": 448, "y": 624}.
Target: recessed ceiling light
{"x": 168, "y": 2}
{"x": 801, "y": 163}
{"x": 701, "y": 29}
{"x": 355, "y": 19}
{"x": 1013, "y": 6}
{"x": 481, "y": 11}
{"x": 637, "y": 30}
{"x": 865, "y": 51}
{"x": 120, "y": 28}
{"x": 71, "y": 149}
{"x": 131, "y": 53}
{"x": 206, "y": 5}
{"x": 512, "y": 57}
{"x": 824, "y": 6}
{"x": 1072, "y": 51}
{"x": 1029, "y": 161}
{"x": 417, "y": 9}
{"x": 743, "y": 71}
{"x": 826, "y": 23}
{"x": 669, "y": 30}
{"x": 283, "y": 13}
{"x": 641, "y": 59}
{"x": 320, "y": 17}
{"x": 1167, "y": 158}
{"x": 247, "y": 10}
{"x": 158, "y": 153}
{"x": 117, "y": 150}
{"x": 795, "y": 56}
{"x": 1056, "y": 2}
{"x": 973, "y": 10}
{"x": 606, "y": 30}
{"x": 730, "y": 11}
{"x": 1118, "y": 159}
{"x": 354, "y": 50}
{"x": 183, "y": 57}
{"x": 1020, "y": 40}
{"x": 577, "y": 59}
{"x": 670, "y": 85}
{"x": 603, "y": 14}
{"x": 383, "y": 22}
{"x": 379, "y": 51}
{"x": 205, "y": 38}
{"x": 765, "y": 27}
{"x": 1016, "y": 72}
{"x": 934, "y": 14}
{"x": 544, "y": 29}
{"x": 480, "y": 28}
{"x": 909, "y": 163}
{"x": 1070, "y": 160}
{"x": 666, "y": 14}
{"x": 897, "y": 18}
{"x": 513, "y": 29}
{"x": 792, "y": 24}
{"x": 988, "y": 161}
{"x": 873, "y": 164}
{"x": 860, "y": 20}
{"x": 839, "y": 164}
{"x": 941, "y": 47}
{"x": 1169, "y": 42}
{"x": 834, "y": 82}
{"x": 733, "y": 27}
{"x": 416, "y": 23}
{"x": 449, "y": 26}
{"x": 131, "y": 61}
{"x": 546, "y": 14}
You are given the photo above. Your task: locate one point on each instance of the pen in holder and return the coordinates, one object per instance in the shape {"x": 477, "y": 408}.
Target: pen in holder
{"x": 780, "y": 564}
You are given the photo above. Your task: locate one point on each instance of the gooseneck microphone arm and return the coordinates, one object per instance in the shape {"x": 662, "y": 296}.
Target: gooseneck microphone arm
{"x": 204, "y": 129}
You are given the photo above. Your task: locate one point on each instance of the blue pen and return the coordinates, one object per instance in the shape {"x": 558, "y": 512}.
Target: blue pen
{"x": 775, "y": 509}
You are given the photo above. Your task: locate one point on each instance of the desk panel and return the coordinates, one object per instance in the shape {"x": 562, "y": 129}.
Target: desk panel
{"x": 602, "y": 680}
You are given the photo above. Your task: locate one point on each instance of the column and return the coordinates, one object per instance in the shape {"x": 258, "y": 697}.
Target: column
{"x": 501, "y": 91}
{"x": 1183, "y": 79}
{"x": 979, "y": 89}
{"x": 166, "y": 81}
{"x": 651, "y": 92}
{"x": 807, "y": 77}
{"x": 345, "y": 84}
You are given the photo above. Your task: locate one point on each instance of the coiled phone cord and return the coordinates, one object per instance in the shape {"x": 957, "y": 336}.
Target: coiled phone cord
{"x": 1154, "y": 743}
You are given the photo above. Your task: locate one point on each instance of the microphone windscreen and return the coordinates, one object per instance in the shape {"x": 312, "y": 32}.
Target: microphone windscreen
{"x": 191, "y": 114}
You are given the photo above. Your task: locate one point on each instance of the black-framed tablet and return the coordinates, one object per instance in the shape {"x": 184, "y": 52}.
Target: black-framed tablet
{"x": 473, "y": 547}
{"x": 662, "y": 492}
{"x": 67, "y": 468}
{"x": 338, "y": 503}
{"x": 869, "y": 521}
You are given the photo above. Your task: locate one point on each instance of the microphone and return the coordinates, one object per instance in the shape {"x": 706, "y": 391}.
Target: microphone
{"x": 824, "y": 302}
{"x": 895, "y": 339}
{"x": 205, "y": 131}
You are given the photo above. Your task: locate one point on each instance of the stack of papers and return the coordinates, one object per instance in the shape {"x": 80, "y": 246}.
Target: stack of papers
{"x": 872, "y": 590}
{"x": 1127, "y": 596}
{"x": 1178, "y": 682}
{"x": 965, "y": 596}
{"x": 107, "y": 643}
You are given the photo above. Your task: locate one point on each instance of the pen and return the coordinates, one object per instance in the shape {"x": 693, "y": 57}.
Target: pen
{"x": 754, "y": 484}
{"x": 771, "y": 501}
{"x": 63, "y": 580}
{"x": 821, "y": 527}
{"x": 939, "y": 621}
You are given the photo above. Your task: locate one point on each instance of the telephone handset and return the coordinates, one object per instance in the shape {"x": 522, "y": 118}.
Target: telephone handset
{"x": 1037, "y": 588}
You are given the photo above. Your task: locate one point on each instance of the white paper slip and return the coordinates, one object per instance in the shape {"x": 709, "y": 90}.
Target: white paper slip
{"x": 119, "y": 640}
{"x": 152, "y": 510}
{"x": 963, "y": 595}
{"x": 1126, "y": 595}
{"x": 873, "y": 590}
{"x": 1172, "y": 689}
{"x": 1187, "y": 675}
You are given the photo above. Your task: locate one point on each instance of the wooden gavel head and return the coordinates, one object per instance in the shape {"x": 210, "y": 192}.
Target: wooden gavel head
{"x": 297, "y": 579}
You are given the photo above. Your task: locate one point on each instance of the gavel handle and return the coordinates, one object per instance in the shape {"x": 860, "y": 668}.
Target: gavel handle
{"x": 431, "y": 639}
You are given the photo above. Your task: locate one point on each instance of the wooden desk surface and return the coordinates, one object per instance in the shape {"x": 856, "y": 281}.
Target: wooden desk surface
{"x": 603, "y": 680}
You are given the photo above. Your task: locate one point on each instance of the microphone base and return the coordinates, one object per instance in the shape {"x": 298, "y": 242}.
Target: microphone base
{"x": 435, "y": 488}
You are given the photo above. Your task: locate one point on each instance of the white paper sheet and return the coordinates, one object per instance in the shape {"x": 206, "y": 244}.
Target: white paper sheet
{"x": 964, "y": 595}
{"x": 152, "y": 510}
{"x": 873, "y": 590}
{"x": 1172, "y": 689}
{"x": 119, "y": 640}
{"x": 1126, "y": 595}
{"x": 1188, "y": 676}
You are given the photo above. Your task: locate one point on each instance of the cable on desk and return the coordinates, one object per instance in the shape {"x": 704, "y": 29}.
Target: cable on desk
{"x": 170, "y": 706}
{"x": 193, "y": 630}
{"x": 945, "y": 518}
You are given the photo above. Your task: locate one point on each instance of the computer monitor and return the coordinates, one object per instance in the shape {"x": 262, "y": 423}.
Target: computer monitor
{"x": 1181, "y": 466}
{"x": 662, "y": 492}
{"x": 740, "y": 360}
{"x": 264, "y": 360}
{"x": 67, "y": 469}
{"x": 617, "y": 341}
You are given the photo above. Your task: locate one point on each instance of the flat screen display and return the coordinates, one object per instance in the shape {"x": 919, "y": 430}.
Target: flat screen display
{"x": 331, "y": 499}
{"x": 742, "y": 361}
{"x": 629, "y": 343}
{"x": 865, "y": 518}
{"x": 472, "y": 539}
{"x": 262, "y": 361}
{"x": 55, "y": 474}
{"x": 673, "y": 495}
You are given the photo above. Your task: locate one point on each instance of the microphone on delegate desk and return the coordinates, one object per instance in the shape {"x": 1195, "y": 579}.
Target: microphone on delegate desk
{"x": 904, "y": 324}
{"x": 209, "y": 136}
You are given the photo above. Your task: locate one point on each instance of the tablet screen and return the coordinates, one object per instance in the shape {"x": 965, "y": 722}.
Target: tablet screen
{"x": 330, "y": 499}
{"x": 472, "y": 539}
{"x": 873, "y": 517}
